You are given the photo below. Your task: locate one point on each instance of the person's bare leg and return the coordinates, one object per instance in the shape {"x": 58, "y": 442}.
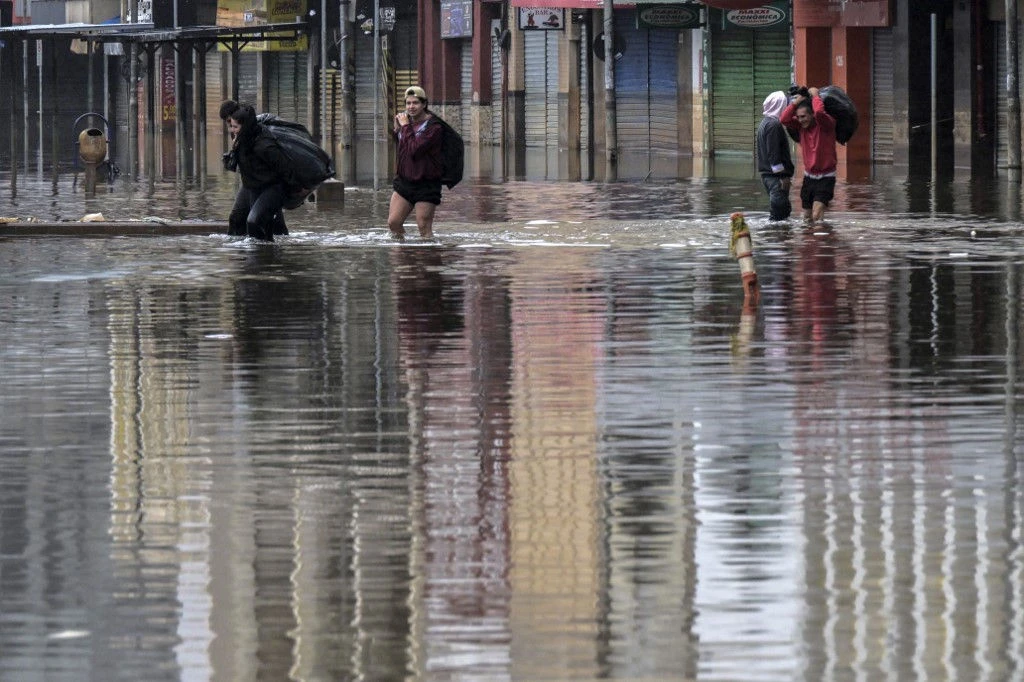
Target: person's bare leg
{"x": 808, "y": 215}
{"x": 398, "y": 211}
{"x": 818, "y": 212}
{"x": 425, "y": 219}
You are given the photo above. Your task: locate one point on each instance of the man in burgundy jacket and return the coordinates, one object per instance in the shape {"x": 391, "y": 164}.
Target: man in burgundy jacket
{"x": 417, "y": 182}
{"x": 817, "y": 128}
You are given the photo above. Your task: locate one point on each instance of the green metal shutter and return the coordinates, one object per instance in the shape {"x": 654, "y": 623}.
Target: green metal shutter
{"x": 746, "y": 65}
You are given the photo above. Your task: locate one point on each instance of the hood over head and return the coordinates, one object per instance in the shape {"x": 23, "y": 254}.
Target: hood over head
{"x": 775, "y": 103}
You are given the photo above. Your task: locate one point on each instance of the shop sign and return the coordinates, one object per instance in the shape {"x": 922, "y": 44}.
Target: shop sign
{"x": 541, "y": 19}
{"x": 668, "y": 16}
{"x": 769, "y": 16}
{"x": 456, "y": 18}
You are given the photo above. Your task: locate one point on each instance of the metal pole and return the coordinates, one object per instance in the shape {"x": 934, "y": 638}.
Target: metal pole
{"x": 323, "y": 74}
{"x": 133, "y": 109}
{"x": 934, "y": 87}
{"x": 346, "y": 165}
{"x": 54, "y": 113}
{"x": 1012, "y": 94}
{"x": 39, "y": 73}
{"x": 376, "y": 92}
{"x": 24, "y": 103}
{"x": 179, "y": 100}
{"x": 611, "y": 172}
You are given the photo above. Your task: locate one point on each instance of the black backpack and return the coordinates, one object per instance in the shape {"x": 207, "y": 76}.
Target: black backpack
{"x": 453, "y": 153}
{"x": 840, "y": 107}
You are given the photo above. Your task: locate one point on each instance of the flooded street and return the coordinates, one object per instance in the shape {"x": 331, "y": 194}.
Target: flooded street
{"x": 551, "y": 445}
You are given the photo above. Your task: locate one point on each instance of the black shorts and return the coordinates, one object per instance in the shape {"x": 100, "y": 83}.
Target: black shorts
{"x": 415, "y": 192}
{"x": 817, "y": 189}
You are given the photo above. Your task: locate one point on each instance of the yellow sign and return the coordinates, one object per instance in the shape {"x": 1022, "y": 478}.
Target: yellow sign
{"x": 249, "y": 13}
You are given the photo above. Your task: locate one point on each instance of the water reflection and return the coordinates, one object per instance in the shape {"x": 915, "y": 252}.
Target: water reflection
{"x": 552, "y": 445}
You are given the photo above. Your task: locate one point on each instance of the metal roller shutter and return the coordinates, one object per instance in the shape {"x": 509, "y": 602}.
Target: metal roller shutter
{"x": 215, "y": 91}
{"x": 288, "y": 85}
{"x": 585, "y": 94}
{"x": 247, "y": 77}
{"x": 366, "y": 88}
{"x": 1001, "y": 136}
{"x": 632, "y": 74}
{"x": 541, "y": 93}
{"x": 746, "y": 65}
{"x": 882, "y": 103}
{"x": 466, "y": 90}
{"x": 646, "y": 79}
{"x": 497, "y": 100}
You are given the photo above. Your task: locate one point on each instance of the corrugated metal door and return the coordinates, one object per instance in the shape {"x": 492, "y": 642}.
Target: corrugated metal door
{"x": 1002, "y": 139}
{"x": 366, "y": 87}
{"x": 497, "y": 110}
{"x": 541, "y": 94}
{"x": 746, "y": 65}
{"x": 882, "y": 103}
{"x": 646, "y": 78}
{"x": 215, "y": 91}
{"x": 466, "y": 90}
{"x": 585, "y": 94}
{"x": 247, "y": 77}
{"x": 287, "y": 86}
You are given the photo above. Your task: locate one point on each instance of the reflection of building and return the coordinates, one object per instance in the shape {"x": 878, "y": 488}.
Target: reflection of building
{"x": 556, "y": 553}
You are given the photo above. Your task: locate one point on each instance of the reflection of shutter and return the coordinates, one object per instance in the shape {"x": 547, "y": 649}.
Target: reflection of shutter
{"x": 645, "y": 87}
{"x": 1001, "y": 136}
{"x": 496, "y": 96}
{"x": 746, "y": 65}
{"x": 541, "y": 93}
{"x": 882, "y": 116}
{"x": 466, "y": 92}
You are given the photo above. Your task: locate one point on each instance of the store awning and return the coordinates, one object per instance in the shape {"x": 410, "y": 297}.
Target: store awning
{"x": 597, "y": 4}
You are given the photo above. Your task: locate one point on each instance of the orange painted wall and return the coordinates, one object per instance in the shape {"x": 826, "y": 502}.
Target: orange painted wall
{"x": 840, "y": 55}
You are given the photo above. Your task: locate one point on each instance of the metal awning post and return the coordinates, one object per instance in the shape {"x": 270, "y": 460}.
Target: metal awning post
{"x": 376, "y": 94}
{"x": 133, "y": 110}
{"x": 54, "y": 132}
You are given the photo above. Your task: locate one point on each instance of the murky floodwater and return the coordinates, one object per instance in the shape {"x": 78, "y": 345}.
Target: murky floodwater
{"x": 552, "y": 445}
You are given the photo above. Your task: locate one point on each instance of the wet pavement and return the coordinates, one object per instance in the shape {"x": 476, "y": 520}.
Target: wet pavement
{"x": 553, "y": 444}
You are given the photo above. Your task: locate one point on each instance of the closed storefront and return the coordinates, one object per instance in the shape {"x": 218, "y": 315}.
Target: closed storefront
{"x": 541, "y": 92}
{"x": 646, "y": 89}
{"x": 882, "y": 113}
{"x": 750, "y": 58}
{"x": 287, "y": 85}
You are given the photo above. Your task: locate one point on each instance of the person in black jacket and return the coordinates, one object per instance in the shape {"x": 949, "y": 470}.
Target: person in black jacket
{"x": 774, "y": 162}
{"x": 240, "y": 210}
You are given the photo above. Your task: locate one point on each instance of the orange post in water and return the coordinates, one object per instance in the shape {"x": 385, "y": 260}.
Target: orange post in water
{"x": 742, "y": 248}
